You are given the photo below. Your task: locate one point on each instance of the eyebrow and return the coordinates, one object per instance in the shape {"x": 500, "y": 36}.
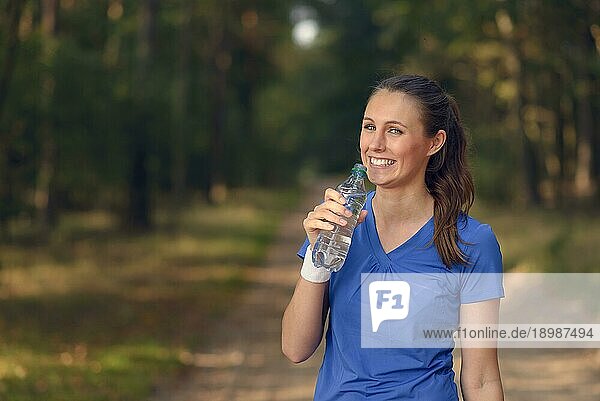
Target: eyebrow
{"x": 387, "y": 122}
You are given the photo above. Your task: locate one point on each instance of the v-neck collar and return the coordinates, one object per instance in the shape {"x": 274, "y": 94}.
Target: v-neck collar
{"x": 386, "y": 258}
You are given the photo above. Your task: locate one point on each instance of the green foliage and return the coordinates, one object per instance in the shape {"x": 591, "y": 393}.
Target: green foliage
{"x": 222, "y": 95}
{"x": 544, "y": 241}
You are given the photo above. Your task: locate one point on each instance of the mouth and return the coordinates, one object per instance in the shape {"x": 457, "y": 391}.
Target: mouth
{"x": 381, "y": 162}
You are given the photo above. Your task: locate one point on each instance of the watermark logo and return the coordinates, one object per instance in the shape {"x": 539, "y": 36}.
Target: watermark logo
{"x": 389, "y": 300}
{"x": 422, "y": 310}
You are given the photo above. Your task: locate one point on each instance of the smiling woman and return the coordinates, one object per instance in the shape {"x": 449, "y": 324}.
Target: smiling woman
{"x": 412, "y": 141}
{"x": 395, "y": 151}
{"x": 416, "y": 221}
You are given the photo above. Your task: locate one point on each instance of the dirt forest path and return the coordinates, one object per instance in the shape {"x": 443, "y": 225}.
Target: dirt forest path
{"x": 242, "y": 359}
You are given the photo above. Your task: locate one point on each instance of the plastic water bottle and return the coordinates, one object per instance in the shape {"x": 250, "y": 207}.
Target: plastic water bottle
{"x": 331, "y": 247}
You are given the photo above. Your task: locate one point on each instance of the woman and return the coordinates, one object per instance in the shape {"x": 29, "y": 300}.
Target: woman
{"x": 416, "y": 221}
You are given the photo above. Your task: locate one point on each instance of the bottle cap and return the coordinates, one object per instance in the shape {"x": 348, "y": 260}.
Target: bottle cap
{"x": 359, "y": 169}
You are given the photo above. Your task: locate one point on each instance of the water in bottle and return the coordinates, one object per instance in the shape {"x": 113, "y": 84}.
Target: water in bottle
{"x": 332, "y": 247}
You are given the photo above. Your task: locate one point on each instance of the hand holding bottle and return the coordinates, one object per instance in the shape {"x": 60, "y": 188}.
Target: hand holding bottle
{"x": 330, "y": 226}
{"x": 325, "y": 215}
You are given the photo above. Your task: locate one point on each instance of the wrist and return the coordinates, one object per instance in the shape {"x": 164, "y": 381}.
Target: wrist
{"x": 310, "y": 272}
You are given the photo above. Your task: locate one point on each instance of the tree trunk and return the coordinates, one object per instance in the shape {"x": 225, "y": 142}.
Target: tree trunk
{"x": 139, "y": 197}
{"x": 250, "y": 146}
{"x": 180, "y": 109}
{"x": 46, "y": 215}
{"x": 217, "y": 187}
{"x": 584, "y": 185}
{"x": 559, "y": 141}
{"x": 530, "y": 167}
{"x": 139, "y": 211}
{"x": 14, "y": 10}
{"x": 221, "y": 62}
{"x": 596, "y": 143}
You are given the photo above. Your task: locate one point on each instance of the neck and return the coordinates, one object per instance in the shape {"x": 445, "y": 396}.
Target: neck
{"x": 401, "y": 206}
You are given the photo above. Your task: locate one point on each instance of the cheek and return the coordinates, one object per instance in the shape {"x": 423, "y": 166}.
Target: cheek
{"x": 415, "y": 149}
{"x": 362, "y": 142}
{"x": 407, "y": 151}
{"x": 417, "y": 154}
{"x": 363, "y": 150}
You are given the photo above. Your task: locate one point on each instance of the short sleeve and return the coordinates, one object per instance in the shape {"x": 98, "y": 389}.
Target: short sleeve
{"x": 302, "y": 250}
{"x": 481, "y": 279}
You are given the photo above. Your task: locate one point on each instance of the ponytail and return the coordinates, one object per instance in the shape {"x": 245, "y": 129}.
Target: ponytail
{"x": 449, "y": 181}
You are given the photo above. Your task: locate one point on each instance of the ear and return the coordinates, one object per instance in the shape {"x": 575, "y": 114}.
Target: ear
{"x": 437, "y": 142}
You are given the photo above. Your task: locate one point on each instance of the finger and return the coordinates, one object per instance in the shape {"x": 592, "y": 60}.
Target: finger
{"x": 362, "y": 216}
{"x": 327, "y": 215}
{"x": 332, "y": 194}
{"x": 335, "y": 207}
{"x": 314, "y": 225}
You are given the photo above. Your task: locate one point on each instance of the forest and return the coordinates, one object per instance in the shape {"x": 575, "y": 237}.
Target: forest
{"x": 150, "y": 150}
{"x": 122, "y": 104}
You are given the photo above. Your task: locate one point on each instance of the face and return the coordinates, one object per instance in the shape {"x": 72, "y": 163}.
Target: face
{"x": 393, "y": 144}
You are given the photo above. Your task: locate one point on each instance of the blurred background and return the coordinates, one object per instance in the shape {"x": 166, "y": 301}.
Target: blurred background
{"x": 149, "y": 151}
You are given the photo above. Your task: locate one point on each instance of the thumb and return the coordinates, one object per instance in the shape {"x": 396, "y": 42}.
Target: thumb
{"x": 362, "y": 216}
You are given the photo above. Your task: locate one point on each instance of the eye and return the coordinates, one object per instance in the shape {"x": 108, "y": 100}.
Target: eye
{"x": 395, "y": 131}
{"x": 369, "y": 127}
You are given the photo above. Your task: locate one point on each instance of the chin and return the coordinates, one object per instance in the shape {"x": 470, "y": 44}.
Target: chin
{"x": 387, "y": 180}
{"x": 377, "y": 180}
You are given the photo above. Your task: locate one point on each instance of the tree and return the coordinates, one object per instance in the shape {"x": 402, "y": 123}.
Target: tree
{"x": 139, "y": 203}
{"x": 14, "y": 9}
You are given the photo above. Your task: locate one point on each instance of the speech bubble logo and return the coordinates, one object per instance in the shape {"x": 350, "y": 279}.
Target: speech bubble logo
{"x": 389, "y": 300}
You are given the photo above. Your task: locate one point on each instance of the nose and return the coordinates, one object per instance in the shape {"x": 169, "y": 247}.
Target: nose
{"x": 377, "y": 141}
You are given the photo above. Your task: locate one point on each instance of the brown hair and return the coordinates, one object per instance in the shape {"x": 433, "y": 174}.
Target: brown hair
{"x": 447, "y": 176}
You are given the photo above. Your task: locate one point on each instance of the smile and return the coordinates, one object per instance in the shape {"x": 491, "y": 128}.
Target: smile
{"x": 381, "y": 162}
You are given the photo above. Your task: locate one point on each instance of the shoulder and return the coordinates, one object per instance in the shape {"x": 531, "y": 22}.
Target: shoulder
{"x": 480, "y": 246}
{"x": 478, "y": 241}
{"x": 472, "y": 230}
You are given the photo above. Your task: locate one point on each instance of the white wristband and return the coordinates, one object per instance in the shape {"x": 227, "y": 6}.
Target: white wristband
{"x": 312, "y": 273}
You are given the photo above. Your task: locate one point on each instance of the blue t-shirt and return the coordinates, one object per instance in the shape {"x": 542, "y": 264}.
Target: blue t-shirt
{"x": 351, "y": 372}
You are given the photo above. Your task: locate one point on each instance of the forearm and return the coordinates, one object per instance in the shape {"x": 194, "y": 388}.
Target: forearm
{"x": 489, "y": 390}
{"x": 480, "y": 378}
{"x": 481, "y": 381}
{"x": 303, "y": 320}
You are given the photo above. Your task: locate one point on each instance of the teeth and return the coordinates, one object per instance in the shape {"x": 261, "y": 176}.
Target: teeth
{"x": 382, "y": 162}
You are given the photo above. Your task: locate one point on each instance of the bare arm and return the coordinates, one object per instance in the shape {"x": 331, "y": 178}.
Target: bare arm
{"x": 480, "y": 374}
{"x": 304, "y": 320}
